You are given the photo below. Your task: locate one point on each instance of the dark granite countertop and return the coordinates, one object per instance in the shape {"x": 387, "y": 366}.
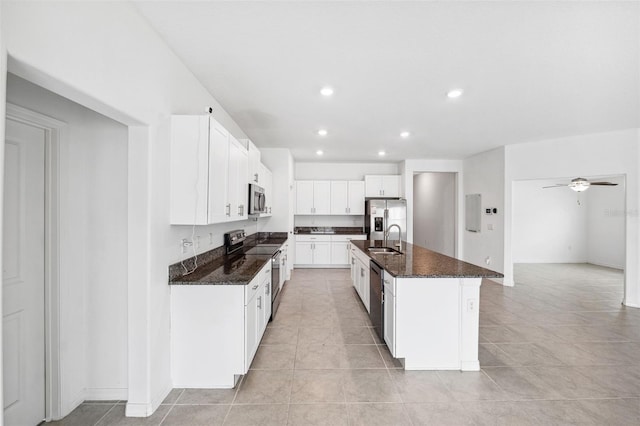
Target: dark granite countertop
{"x": 217, "y": 268}
{"x": 329, "y": 230}
{"x": 227, "y": 270}
{"x": 419, "y": 262}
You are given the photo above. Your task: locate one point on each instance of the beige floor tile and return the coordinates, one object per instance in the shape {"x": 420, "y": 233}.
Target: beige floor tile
{"x": 420, "y": 386}
{"x": 265, "y": 386}
{"x": 318, "y": 415}
{"x": 439, "y": 413}
{"x": 377, "y": 415}
{"x": 274, "y": 357}
{"x": 206, "y": 396}
{"x": 263, "y": 415}
{"x": 116, "y": 417}
{"x": 317, "y": 386}
{"x": 85, "y": 414}
{"x": 369, "y": 386}
{"x": 196, "y": 415}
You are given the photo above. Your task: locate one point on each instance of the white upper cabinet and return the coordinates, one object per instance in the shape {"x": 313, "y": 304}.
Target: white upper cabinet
{"x": 313, "y": 197}
{"x": 254, "y": 164}
{"x": 209, "y": 168}
{"x": 347, "y": 197}
{"x": 382, "y": 185}
{"x": 339, "y": 197}
{"x": 237, "y": 175}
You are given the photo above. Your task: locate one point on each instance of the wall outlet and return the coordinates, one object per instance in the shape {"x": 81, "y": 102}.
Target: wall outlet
{"x": 487, "y": 260}
{"x": 186, "y": 244}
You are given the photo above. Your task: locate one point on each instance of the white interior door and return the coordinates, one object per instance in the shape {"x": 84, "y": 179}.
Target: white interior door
{"x": 23, "y": 275}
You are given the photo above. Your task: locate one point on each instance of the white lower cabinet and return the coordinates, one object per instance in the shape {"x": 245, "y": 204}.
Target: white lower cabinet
{"x": 360, "y": 275}
{"x": 324, "y": 250}
{"x": 216, "y": 330}
{"x": 389, "y": 306}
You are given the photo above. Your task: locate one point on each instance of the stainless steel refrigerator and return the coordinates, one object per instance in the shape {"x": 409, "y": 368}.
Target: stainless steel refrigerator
{"x": 380, "y": 214}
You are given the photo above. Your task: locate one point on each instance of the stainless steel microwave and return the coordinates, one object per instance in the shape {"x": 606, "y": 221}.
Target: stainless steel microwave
{"x": 257, "y": 200}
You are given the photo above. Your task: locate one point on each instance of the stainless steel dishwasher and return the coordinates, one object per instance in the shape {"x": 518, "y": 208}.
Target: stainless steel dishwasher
{"x": 376, "y": 298}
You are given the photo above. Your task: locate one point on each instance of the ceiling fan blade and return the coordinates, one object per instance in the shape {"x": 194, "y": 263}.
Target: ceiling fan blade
{"x": 604, "y": 183}
{"x": 557, "y": 185}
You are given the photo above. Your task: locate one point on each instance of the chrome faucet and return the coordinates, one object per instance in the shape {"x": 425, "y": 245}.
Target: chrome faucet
{"x": 387, "y": 232}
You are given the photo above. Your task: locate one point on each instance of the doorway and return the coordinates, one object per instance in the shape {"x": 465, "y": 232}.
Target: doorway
{"x": 572, "y": 237}
{"x": 23, "y": 319}
{"x": 434, "y": 211}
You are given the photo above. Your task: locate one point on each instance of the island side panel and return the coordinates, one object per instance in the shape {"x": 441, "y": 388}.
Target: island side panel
{"x": 207, "y": 335}
{"x": 470, "y": 323}
{"x": 428, "y": 323}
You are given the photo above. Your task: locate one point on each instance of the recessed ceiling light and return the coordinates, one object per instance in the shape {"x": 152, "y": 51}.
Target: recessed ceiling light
{"x": 455, "y": 93}
{"x": 382, "y": 153}
{"x": 322, "y": 132}
{"x": 326, "y": 91}
{"x": 319, "y": 152}
{"x": 405, "y": 135}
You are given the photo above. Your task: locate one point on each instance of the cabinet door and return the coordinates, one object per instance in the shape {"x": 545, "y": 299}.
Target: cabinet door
{"x": 322, "y": 253}
{"x": 356, "y": 197}
{"x": 389, "y": 319}
{"x": 373, "y": 186}
{"x": 391, "y": 186}
{"x": 219, "y": 207}
{"x": 366, "y": 285}
{"x": 250, "y": 331}
{"x": 339, "y": 253}
{"x": 238, "y": 187}
{"x": 304, "y": 197}
{"x": 189, "y": 177}
{"x": 339, "y": 197}
{"x": 322, "y": 197}
{"x": 304, "y": 253}
{"x": 267, "y": 180}
{"x": 253, "y": 175}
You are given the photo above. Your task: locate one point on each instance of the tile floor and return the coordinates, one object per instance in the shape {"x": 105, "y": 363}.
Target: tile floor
{"x": 557, "y": 349}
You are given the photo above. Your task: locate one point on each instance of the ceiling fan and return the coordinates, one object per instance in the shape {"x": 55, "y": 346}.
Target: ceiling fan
{"x": 580, "y": 184}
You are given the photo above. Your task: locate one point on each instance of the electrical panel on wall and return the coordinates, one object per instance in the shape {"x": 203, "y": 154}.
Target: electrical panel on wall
{"x": 473, "y": 212}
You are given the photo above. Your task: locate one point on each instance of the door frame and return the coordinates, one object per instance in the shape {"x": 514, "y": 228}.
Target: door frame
{"x": 54, "y": 132}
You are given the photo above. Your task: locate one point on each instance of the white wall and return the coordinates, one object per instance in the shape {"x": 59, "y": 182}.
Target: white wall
{"x": 601, "y": 154}
{"x": 434, "y": 211}
{"x": 549, "y": 226}
{"x": 105, "y": 56}
{"x": 606, "y": 224}
{"x": 343, "y": 171}
{"x": 484, "y": 174}
{"x": 409, "y": 168}
{"x": 93, "y": 253}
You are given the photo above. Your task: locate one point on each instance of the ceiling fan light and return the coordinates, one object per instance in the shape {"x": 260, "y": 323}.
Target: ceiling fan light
{"x": 579, "y": 186}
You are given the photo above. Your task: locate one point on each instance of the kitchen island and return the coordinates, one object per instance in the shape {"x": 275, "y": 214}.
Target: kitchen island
{"x": 429, "y": 303}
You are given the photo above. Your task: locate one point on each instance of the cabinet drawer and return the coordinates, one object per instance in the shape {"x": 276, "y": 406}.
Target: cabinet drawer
{"x": 251, "y": 289}
{"x": 313, "y": 238}
{"x": 347, "y": 238}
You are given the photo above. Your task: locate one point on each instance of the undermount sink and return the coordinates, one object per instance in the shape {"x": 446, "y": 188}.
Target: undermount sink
{"x": 384, "y": 250}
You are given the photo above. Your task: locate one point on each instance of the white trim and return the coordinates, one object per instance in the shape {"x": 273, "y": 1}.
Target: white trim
{"x": 105, "y": 394}
{"x": 54, "y": 131}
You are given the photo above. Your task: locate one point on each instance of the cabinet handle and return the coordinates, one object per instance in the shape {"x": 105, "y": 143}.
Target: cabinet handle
{"x": 240, "y": 209}
{"x": 361, "y": 272}
{"x": 387, "y": 282}
{"x": 255, "y": 177}
{"x": 255, "y": 286}
{"x": 228, "y": 209}
{"x": 267, "y": 271}
{"x": 259, "y": 302}
{"x": 353, "y": 261}
{"x": 268, "y": 289}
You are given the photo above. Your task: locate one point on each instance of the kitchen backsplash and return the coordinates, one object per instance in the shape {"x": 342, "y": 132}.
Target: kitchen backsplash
{"x": 328, "y": 220}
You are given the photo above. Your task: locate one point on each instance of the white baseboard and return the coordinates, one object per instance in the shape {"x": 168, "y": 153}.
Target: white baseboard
{"x": 138, "y": 409}
{"x": 606, "y": 265}
{"x": 106, "y": 394}
{"x": 144, "y": 409}
{"x": 470, "y": 366}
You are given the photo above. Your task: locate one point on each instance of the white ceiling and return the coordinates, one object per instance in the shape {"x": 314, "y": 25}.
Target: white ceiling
{"x": 529, "y": 71}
